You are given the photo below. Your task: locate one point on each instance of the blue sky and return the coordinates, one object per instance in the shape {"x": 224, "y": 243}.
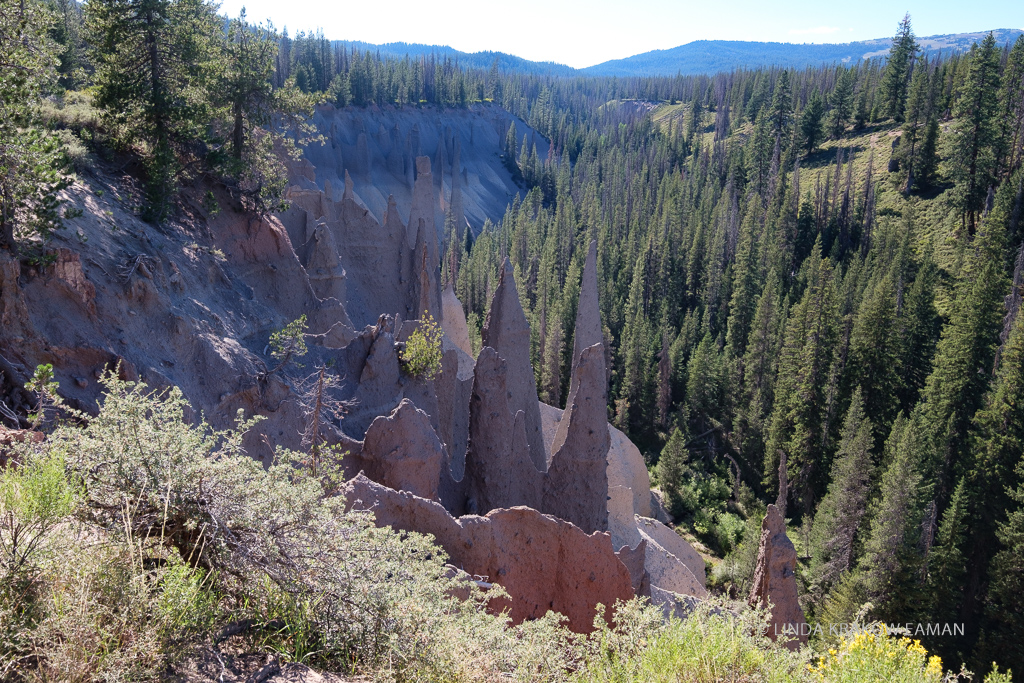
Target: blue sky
{"x": 582, "y": 33}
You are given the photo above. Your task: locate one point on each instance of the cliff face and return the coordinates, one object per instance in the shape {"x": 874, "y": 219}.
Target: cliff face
{"x": 377, "y": 147}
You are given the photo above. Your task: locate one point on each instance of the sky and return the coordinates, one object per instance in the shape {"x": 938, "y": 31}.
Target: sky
{"x": 581, "y": 33}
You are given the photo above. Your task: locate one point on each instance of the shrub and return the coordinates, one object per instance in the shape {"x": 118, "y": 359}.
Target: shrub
{"x": 421, "y": 356}
{"x": 34, "y": 498}
{"x": 74, "y": 149}
{"x": 712, "y": 644}
{"x": 873, "y": 655}
{"x": 289, "y": 343}
{"x": 185, "y": 534}
{"x": 74, "y": 111}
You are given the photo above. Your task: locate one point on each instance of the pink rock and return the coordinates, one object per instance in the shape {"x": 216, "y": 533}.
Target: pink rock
{"x": 402, "y": 451}
{"x": 544, "y": 563}
{"x": 775, "y": 580}
{"x": 507, "y": 331}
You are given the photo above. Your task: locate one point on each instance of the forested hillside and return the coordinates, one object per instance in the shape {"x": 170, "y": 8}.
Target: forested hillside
{"x": 712, "y": 56}
{"x": 810, "y": 280}
{"x": 818, "y": 267}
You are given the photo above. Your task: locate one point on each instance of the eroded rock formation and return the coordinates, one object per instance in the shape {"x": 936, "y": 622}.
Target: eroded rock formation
{"x": 775, "y": 581}
{"x": 499, "y": 471}
{"x": 402, "y": 451}
{"x": 577, "y": 482}
{"x": 507, "y": 331}
{"x": 454, "y": 320}
{"x": 468, "y": 440}
{"x": 543, "y": 562}
{"x": 675, "y": 544}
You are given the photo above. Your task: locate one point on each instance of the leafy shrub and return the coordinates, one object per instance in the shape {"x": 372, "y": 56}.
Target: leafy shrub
{"x": 735, "y": 573}
{"x": 34, "y": 498}
{"x": 74, "y": 111}
{"x": 874, "y": 655}
{"x": 712, "y": 644}
{"x": 74, "y": 149}
{"x": 185, "y": 534}
{"x": 421, "y": 356}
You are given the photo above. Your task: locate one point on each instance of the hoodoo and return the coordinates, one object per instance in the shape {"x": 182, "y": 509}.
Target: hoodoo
{"x": 508, "y": 332}
{"x": 775, "y": 581}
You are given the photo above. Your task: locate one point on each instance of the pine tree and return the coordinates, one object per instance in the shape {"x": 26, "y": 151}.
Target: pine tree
{"x": 31, "y": 163}
{"x": 841, "y": 104}
{"x": 891, "y": 560}
{"x": 928, "y": 156}
{"x": 997, "y": 491}
{"x": 874, "y": 351}
{"x": 962, "y": 366}
{"x": 250, "y": 53}
{"x": 1004, "y": 631}
{"x": 154, "y": 63}
{"x": 898, "y": 71}
{"x": 810, "y": 122}
{"x": 705, "y": 383}
{"x": 947, "y": 567}
{"x": 917, "y": 112}
{"x": 975, "y": 135}
{"x": 804, "y": 362}
{"x": 839, "y": 516}
{"x": 780, "y": 112}
{"x": 66, "y": 32}
{"x": 842, "y": 605}
{"x": 1011, "y": 110}
{"x": 998, "y": 435}
{"x": 759, "y": 364}
{"x": 671, "y": 468}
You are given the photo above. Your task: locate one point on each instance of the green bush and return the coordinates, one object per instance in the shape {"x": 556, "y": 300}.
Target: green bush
{"x": 421, "y": 356}
{"x": 712, "y": 644}
{"x": 174, "y": 532}
{"x": 289, "y": 343}
{"x": 74, "y": 111}
{"x": 74, "y": 149}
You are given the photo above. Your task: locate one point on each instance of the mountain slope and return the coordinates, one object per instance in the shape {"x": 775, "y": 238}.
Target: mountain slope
{"x": 697, "y": 57}
{"x": 470, "y": 60}
{"x": 711, "y": 56}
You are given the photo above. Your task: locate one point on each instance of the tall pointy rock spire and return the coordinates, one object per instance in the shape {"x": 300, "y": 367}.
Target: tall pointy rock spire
{"x": 588, "y": 312}
{"x": 507, "y": 331}
{"x": 577, "y": 483}
{"x": 588, "y": 332}
{"x": 421, "y": 238}
{"x": 576, "y": 488}
{"x": 498, "y": 467}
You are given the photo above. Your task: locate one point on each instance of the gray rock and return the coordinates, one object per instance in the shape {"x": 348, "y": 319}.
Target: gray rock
{"x": 507, "y": 331}
{"x": 402, "y": 451}
{"x": 577, "y": 484}
{"x": 499, "y": 471}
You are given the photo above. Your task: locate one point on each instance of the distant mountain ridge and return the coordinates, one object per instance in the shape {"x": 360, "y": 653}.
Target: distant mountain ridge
{"x": 473, "y": 60}
{"x": 712, "y": 56}
{"x": 697, "y": 57}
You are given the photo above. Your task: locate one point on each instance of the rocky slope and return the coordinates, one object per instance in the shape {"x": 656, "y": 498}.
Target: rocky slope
{"x": 377, "y": 148}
